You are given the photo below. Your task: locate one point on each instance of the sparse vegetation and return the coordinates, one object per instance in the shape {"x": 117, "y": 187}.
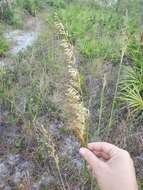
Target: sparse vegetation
{"x": 132, "y": 81}
{"x": 11, "y": 12}
{"x": 3, "y": 46}
{"x": 80, "y": 81}
{"x": 32, "y": 6}
{"x": 3, "y": 43}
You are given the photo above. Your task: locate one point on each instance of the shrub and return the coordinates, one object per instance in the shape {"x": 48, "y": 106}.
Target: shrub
{"x": 32, "y": 6}
{"x": 132, "y": 79}
{"x": 57, "y": 3}
{"x": 6, "y": 12}
{"x": 3, "y": 45}
{"x": 132, "y": 88}
{"x": 10, "y": 14}
{"x": 95, "y": 33}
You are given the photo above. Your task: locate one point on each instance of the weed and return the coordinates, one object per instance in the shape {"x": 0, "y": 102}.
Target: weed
{"x": 4, "y": 46}
{"x": 57, "y": 3}
{"x": 140, "y": 182}
{"x": 132, "y": 88}
{"x": 6, "y": 12}
{"x": 96, "y": 33}
{"x": 9, "y": 14}
{"x": 28, "y": 86}
{"x": 32, "y": 6}
{"x": 132, "y": 79}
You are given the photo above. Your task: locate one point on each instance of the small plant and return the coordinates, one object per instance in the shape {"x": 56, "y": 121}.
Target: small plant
{"x": 132, "y": 88}
{"x": 132, "y": 78}
{"x": 7, "y": 15}
{"x": 10, "y": 14}
{"x": 4, "y": 46}
{"x": 6, "y": 12}
{"x": 57, "y": 3}
{"x": 31, "y": 6}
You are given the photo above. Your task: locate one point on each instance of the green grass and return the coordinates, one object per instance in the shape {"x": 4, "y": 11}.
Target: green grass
{"x": 31, "y": 6}
{"x": 13, "y": 14}
{"x": 4, "y": 45}
{"x": 27, "y": 88}
{"x": 140, "y": 182}
{"x": 99, "y": 32}
{"x": 95, "y": 30}
{"x": 6, "y": 12}
{"x": 56, "y": 4}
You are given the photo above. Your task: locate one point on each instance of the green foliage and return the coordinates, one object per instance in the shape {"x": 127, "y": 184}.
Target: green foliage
{"x": 132, "y": 79}
{"x": 4, "y": 46}
{"x": 12, "y": 13}
{"x": 32, "y": 6}
{"x": 57, "y": 3}
{"x": 135, "y": 52}
{"x": 98, "y": 33}
{"x": 28, "y": 86}
{"x": 6, "y": 13}
{"x": 140, "y": 182}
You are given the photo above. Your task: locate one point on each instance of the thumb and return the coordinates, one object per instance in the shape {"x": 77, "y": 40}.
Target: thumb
{"x": 94, "y": 162}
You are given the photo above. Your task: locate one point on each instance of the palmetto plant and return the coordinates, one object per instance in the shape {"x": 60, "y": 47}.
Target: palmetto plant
{"x": 132, "y": 88}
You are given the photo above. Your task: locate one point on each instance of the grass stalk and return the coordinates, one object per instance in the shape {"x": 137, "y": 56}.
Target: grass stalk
{"x": 51, "y": 147}
{"x": 125, "y": 43}
{"x": 116, "y": 90}
{"x": 101, "y": 104}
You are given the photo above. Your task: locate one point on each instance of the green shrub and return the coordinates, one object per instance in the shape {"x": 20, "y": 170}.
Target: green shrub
{"x": 6, "y": 13}
{"x": 94, "y": 32}
{"x": 32, "y": 6}
{"x": 57, "y": 3}
{"x": 10, "y": 14}
{"x": 132, "y": 78}
{"x": 3, "y": 45}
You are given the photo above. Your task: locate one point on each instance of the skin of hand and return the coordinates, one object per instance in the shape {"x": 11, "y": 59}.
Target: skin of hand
{"x": 112, "y": 167}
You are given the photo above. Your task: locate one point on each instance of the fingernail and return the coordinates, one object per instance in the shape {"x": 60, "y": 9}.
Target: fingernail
{"x": 81, "y": 151}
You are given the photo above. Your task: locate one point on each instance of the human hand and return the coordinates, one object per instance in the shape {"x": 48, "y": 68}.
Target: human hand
{"x": 112, "y": 166}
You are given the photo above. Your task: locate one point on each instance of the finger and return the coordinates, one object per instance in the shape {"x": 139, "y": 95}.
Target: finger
{"x": 104, "y": 147}
{"x": 91, "y": 158}
{"x": 102, "y": 155}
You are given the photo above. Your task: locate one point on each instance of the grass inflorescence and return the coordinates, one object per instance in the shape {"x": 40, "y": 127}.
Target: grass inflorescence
{"x": 73, "y": 92}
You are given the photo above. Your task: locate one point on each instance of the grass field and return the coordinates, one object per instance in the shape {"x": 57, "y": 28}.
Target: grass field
{"x": 81, "y": 80}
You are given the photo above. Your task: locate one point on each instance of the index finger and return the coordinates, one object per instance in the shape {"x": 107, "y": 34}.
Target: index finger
{"x": 107, "y": 148}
